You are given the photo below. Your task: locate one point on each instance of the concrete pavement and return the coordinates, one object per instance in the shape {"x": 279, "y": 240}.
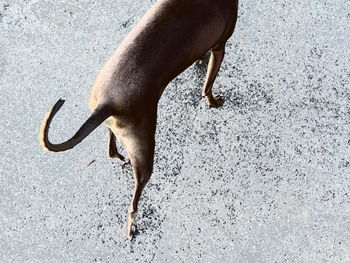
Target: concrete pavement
{"x": 265, "y": 178}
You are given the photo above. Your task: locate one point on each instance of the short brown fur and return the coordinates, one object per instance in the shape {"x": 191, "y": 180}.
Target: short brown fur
{"x": 170, "y": 37}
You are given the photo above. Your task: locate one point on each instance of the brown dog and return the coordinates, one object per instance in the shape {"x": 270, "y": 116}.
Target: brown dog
{"x": 171, "y": 36}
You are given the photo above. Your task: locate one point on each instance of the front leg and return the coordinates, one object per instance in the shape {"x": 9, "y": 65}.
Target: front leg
{"x": 217, "y": 55}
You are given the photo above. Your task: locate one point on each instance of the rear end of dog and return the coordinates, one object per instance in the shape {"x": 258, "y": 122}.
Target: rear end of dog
{"x": 170, "y": 37}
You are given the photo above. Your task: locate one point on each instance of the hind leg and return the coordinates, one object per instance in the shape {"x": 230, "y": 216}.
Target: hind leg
{"x": 142, "y": 170}
{"x": 139, "y": 144}
{"x": 112, "y": 146}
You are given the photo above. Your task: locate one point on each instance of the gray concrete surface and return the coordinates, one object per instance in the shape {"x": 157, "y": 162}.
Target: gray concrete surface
{"x": 265, "y": 178}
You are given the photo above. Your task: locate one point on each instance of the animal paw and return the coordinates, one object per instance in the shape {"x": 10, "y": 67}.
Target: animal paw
{"x": 125, "y": 163}
{"x": 214, "y": 101}
{"x": 115, "y": 154}
{"x": 129, "y": 232}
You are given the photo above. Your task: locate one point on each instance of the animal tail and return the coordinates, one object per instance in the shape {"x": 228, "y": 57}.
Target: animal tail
{"x": 96, "y": 118}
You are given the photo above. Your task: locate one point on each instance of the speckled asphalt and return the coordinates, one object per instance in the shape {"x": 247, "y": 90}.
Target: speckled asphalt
{"x": 265, "y": 178}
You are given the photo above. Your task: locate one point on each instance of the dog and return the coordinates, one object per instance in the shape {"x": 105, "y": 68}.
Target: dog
{"x": 171, "y": 36}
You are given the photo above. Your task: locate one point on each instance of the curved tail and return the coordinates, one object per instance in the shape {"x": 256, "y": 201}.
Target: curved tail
{"x": 96, "y": 118}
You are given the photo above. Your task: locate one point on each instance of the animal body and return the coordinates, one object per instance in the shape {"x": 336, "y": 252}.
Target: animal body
{"x": 170, "y": 37}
